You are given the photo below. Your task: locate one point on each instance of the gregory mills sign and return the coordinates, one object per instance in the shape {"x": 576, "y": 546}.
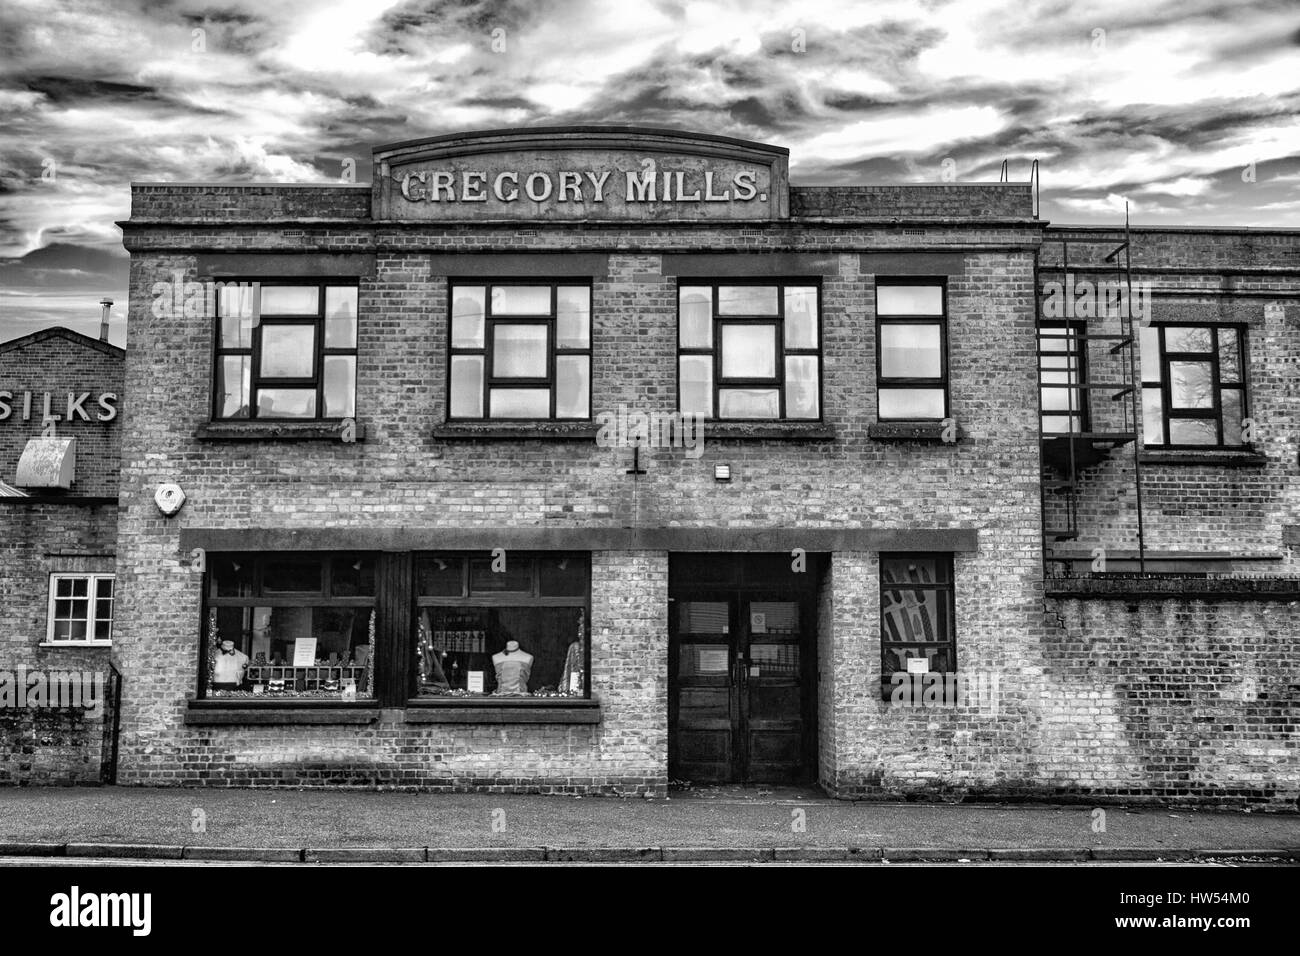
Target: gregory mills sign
{"x": 581, "y": 173}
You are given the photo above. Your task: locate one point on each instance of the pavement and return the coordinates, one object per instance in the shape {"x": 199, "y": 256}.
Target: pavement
{"x": 704, "y": 824}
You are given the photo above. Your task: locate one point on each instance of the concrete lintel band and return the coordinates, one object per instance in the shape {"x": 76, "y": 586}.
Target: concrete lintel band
{"x": 315, "y": 265}
{"x": 581, "y": 539}
{"x": 752, "y": 265}
{"x": 493, "y": 265}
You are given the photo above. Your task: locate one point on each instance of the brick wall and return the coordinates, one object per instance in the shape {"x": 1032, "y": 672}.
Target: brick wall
{"x": 230, "y": 201}
{"x": 1068, "y": 720}
{"x": 400, "y": 476}
{"x": 930, "y": 200}
{"x": 45, "y": 744}
{"x": 58, "y": 362}
{"x": 1240, "y": 277}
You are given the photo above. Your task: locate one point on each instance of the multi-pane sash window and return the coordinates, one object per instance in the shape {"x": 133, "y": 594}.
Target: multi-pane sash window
{"x": 1062, "y": 362}
{"x": 81, "y": 608}
{"x": 286, "y": 351}
{"x": 520, "y": 350}
{"x": 917, "y": 635}
{"x": 911, "y": 358}
{"x": 749, "y": 351}
{"x": 1193, "y": 385}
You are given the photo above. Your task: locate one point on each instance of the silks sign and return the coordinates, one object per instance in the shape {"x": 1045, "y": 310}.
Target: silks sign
{"x": 45, "y": 407}
{"x": 581, "y": 173}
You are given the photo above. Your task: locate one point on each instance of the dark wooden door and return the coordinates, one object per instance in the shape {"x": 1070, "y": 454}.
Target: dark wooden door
{"x": 738, "y": 700}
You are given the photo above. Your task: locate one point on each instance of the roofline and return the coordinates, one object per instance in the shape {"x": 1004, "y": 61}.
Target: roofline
{"x": 77, "y": 338}
{"x": 1227, "y": 230}
{"x": 232, "y": 184}
{"x": 625, "y": 129}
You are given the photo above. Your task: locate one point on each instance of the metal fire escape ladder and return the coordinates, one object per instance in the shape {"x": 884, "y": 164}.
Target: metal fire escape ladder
{"x": 1065, "y": 455}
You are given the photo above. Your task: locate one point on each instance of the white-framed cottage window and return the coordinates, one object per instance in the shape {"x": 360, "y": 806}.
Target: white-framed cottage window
{"x": 81, "y": 609}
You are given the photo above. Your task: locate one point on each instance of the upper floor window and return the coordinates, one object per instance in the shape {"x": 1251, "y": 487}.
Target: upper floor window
{"x": 1062, "y": 365}
{"x": 1193, "y": 385}
{"x": 749, "y": 350}
{"x": 286, "y": 351}
{"x": 81, "y": 609}
{"x": 912, "y": 352}
{"x": 520, "y": 350}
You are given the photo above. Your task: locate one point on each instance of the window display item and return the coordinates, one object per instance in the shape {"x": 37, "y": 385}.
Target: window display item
{"x": 230, "y": 666}
{"x": 513, "y": 667}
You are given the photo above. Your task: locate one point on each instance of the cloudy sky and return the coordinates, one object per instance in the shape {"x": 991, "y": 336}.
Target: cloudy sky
{"x": 1186, "y": 108}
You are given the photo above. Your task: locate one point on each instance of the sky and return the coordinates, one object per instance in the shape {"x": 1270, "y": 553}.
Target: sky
{"x": 1186, "y": 109}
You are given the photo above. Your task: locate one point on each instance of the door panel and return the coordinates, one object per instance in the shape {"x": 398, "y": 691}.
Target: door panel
{"x": 738, "y": 689}
{"x": 774, "y": 691}
{"x": 705, "y": 698}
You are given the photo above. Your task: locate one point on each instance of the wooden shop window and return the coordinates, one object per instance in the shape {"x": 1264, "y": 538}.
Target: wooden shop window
{"x": 266, "y": 610}
{"x": 525, "y": 612}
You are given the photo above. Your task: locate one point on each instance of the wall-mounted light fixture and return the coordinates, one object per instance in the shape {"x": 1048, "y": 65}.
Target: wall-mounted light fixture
{"x": 721, "y": 472}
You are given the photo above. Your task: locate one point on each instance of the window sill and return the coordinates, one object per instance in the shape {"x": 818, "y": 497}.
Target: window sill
{"x": 75, "y": 644}
{"x": 1229, "y": 459}
{"x": 522, "y": 710}
{"x": 275, "y": 431}
{"x": 243, "y": 711}
{"x": 922, "y": 431}
{"x": 531, "y": 431}
{"x": 768, "y": 431}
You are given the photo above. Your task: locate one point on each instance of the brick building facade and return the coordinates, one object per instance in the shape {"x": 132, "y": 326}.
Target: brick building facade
{"x": 55, "y": 541}
{"x": 418, "y": 422}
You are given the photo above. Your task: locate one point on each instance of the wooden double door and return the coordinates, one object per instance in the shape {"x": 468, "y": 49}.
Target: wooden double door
{"x": 741, "y": 677}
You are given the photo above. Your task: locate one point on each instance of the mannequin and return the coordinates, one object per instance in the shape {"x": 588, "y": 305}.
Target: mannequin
{"x": 230, "y": 666}
{"x": 513, "y": 667}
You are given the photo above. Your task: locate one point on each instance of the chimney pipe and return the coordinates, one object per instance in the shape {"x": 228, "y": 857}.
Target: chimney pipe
{"x": 103, "y": 321}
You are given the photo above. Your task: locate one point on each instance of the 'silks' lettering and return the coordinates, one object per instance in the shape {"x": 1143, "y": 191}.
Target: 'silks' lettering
{"x": 74, "y": 408}
{"x": 587, "y": 186}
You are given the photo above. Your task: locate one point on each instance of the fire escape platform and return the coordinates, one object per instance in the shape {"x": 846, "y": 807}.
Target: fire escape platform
{"x": 1089, "y": 448}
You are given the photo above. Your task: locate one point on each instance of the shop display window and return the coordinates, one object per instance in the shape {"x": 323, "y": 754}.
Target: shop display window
{"x": 290, "y": 625}
{"x": 505, "y": 626}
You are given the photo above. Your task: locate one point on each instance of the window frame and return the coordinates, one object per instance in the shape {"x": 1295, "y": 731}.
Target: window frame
{"x": 468, "y": 598}
{"x": 714, "y": 352}
{"x": 945, "y": 585}
{"x": 1165, "y": 358}
{"x": 323, "y": 597}
{"x": 1083, "y": 410}
{"x": 941, "y": 320}
{"x": 256, "y": 381}
{"x": 553, "y": 350}
{"x": 93, "y": 578}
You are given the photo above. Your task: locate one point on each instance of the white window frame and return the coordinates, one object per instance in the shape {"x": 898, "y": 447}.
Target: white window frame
{"x": 93, "y": 586}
